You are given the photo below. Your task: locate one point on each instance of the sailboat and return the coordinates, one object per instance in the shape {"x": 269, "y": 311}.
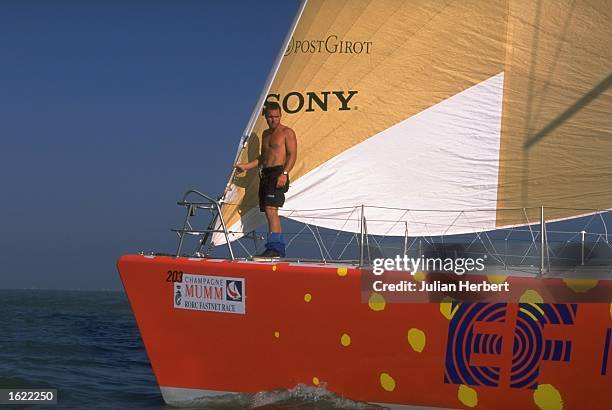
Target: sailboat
{"x": 413, "y": 119}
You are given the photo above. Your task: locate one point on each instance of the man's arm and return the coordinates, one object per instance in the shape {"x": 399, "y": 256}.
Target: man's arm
{"x": 290, "y": 157}
{"x": 291, "y": 150}
{"x": 256, "y": 162}
{"x": 249, "y": 165}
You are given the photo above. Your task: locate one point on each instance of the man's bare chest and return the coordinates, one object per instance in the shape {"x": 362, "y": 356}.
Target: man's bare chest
{"x": 273, "y": 141}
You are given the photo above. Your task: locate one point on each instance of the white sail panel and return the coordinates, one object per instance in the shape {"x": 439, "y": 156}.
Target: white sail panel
{"x": 415, "y": 167}
{"x": 444, "y": 158}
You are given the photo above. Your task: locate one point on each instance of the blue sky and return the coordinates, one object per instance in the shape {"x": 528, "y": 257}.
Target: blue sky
{"x": 109, "y": 111}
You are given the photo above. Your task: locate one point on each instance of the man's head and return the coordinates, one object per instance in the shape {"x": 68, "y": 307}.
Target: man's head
{"x": 272, "y": 112}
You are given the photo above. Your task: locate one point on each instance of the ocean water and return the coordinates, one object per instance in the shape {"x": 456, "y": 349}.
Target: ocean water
{"x": 87, "y": 346}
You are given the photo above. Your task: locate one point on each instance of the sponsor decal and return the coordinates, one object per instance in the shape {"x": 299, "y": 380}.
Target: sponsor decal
{"x": 501, "y": 344}
{"x": 331, "y": 44}
{"x": 310, "y": 101}
{"x": 210, "y": 294}
{"x": 233, "y": 290}
{"x": 177, "y": 295}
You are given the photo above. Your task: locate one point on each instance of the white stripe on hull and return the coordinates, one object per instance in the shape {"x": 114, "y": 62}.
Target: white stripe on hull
{"x": 181, "y": 397}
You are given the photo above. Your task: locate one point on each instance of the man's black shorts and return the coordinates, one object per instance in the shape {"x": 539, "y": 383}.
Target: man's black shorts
{"x": 269, "y": 194}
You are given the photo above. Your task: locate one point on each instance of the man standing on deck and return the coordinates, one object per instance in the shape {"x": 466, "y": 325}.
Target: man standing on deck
{"x": 278, "y": 155}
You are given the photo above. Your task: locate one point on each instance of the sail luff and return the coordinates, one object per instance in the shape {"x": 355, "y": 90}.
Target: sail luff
{"x": 268, "y": 84}
{"x": 257, "y": 110}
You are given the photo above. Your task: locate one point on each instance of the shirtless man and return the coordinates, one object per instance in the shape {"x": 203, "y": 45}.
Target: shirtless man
{"x": 278, "y": 154}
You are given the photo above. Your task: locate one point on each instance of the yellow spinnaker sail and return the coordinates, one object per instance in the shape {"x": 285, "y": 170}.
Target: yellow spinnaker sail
{"x": 443, "y": 116}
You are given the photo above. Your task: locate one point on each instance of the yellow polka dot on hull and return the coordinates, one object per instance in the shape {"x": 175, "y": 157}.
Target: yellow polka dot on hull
{"x": 580, "y": 285}
{"x": 419, "y": 276}
{"x": 417, "y": 339}
{"x": 387, "y": 382}
{"x": 342, "y": 271}
{"x": 547, "y": 397}
{"x": 307, "y": 297}
{"x": 315, "y": 381}
{"x": 531, "y": 296}
{"x": 497, "y": 279}
{"x": 376, "y": 302}
{"x": 345, "y": 340}
{"x": 467, "y": 396}
{"x": 274, "y": 267}
{"x": 446, "y": 307}
{"x": 277, "y": 334}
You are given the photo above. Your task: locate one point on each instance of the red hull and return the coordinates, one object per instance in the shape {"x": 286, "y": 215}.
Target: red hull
{"x": 306, "y": 324}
